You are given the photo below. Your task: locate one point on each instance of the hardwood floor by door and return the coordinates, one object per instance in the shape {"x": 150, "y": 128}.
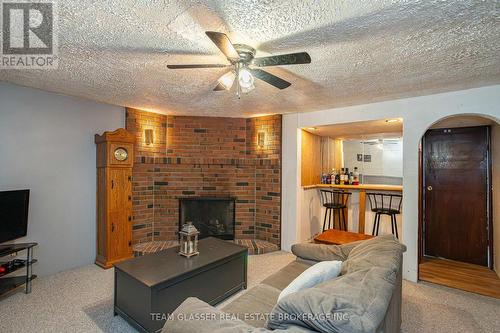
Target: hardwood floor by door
{"x": 459, "y": 275}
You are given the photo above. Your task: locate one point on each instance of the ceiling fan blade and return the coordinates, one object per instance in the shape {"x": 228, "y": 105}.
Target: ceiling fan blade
{"x": 270, "y": 78}
{"x": 196, "y": 66}
{"x": 283, "y": 59}
{"x": 224, "y": 44}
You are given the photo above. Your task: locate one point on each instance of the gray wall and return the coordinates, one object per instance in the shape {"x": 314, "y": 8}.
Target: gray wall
{"x": 47, "y": 145}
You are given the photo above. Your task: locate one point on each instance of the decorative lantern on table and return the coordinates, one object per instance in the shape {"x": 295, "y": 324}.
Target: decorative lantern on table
{"x": 188, "y": 240}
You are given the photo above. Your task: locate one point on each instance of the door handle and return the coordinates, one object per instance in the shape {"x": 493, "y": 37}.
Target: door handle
{"x": 429, "y": 188}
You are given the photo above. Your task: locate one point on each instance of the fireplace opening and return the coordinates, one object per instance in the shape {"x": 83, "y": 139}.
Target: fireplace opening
{"x": 213, "y": 217}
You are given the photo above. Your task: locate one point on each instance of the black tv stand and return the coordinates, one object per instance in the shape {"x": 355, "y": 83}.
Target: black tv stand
{"x": 8, "y": 284}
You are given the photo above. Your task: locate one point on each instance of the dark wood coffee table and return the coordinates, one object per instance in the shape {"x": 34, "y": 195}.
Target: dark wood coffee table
{"x": 150, "y": 287}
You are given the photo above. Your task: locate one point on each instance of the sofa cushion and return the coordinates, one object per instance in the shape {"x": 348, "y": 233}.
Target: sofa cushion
{"x": 316, "y": 274}
{"x": 383, "y": 251}
{"x": 196, "y": 316}
{"x": 287, "y": 274}
{"x": 253, "y": 305}
{"x": 205, "y": 319}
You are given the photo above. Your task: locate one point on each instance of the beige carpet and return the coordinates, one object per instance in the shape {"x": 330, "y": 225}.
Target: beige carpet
{"x": 81, "y": 300}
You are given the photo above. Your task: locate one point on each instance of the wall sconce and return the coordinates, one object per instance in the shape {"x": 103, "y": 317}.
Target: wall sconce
{"x": 261, "y": 139}
{"x": 148, "y": 136}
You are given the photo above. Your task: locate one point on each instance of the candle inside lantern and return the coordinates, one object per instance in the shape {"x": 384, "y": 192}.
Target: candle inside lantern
{"x": 188, "y": 240}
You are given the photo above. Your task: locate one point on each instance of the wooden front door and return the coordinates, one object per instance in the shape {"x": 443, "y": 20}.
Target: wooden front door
{"x": 456, "y": 163}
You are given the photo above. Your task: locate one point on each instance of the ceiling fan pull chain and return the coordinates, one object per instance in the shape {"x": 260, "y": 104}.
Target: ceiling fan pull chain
{"x": 238, "y": 87}
{"x": 237, "y": 70}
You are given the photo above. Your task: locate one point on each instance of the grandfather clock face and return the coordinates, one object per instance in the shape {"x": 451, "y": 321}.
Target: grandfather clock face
{"x": 120, "y": 154}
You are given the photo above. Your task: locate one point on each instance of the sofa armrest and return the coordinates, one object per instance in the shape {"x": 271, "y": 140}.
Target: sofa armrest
{"x": 323, "y": 252}
{"x": 196, "y": 316}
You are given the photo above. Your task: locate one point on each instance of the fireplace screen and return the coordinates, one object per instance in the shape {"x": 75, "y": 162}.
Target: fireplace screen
{"x": 211, "y": 216}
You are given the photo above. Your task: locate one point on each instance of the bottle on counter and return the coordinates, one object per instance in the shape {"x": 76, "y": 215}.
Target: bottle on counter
{"x": 337, "y": 178}
{"x": 342, "y": 174}
{"x": 355, "y": 176}
{"x": 346, "y": 176}
{"x": 351, "y": 178}
{"x": 332, "y": 176}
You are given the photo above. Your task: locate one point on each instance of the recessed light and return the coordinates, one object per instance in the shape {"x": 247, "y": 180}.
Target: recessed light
{"x": 311, "y": 128}
{"x": 392, "y": 120}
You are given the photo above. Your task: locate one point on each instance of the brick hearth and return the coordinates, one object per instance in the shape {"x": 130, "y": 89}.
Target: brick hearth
{"x": 205, "y": 157}
{"x": 255, "y": 246}
{"x": 152, "y": 247}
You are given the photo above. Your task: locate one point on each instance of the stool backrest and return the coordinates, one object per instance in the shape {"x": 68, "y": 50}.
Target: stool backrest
{"x": 334, "y": 197}
{"x": 385, "y": 201}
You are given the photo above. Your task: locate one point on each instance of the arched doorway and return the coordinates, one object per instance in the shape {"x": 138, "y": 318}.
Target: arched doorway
{"x": 457, "y": 205}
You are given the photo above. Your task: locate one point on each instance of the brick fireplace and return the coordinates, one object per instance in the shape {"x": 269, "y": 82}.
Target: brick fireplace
{"x": 192, "y": 157}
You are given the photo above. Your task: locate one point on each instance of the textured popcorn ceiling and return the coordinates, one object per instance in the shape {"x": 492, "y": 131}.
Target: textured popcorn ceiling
{"x": 362, "y": 51}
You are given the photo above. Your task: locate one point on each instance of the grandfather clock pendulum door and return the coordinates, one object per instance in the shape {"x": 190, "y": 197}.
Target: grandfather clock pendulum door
{"x": 115, "y": 156}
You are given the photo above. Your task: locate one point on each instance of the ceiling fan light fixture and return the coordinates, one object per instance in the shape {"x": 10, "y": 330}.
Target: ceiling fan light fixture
{"x": 247, "y": 90}
{"x": 227, "y": 80}
{"x": 246, "y": 79}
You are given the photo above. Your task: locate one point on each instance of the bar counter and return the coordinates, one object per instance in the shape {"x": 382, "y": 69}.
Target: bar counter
{"x": 362, "y": 188}
{"x": 369, "y": 187}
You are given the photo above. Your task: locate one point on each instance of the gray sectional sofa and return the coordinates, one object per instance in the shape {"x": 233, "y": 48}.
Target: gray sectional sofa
{"x": 366, "y": 297}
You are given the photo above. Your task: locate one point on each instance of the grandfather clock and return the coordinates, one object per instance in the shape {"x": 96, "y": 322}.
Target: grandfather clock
{"x": 115, "y": 158}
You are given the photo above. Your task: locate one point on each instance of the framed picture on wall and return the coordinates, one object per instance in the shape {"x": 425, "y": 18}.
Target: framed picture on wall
{"x": 368, "y": 158}
{"x": 360, "y": 157}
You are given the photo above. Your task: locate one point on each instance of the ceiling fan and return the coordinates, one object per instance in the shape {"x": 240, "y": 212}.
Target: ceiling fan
{"x": 243, "y": 65}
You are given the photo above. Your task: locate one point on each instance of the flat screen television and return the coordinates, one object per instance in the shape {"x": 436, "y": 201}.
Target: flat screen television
{"x": 13, "y": 214}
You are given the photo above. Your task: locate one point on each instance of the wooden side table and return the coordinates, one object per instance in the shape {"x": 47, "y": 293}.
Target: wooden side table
{"x": 339, "y": 237}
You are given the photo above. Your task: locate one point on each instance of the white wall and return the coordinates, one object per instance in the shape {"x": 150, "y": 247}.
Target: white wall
{"x": 418, "y": 114}
{"x": 47, "y": 145}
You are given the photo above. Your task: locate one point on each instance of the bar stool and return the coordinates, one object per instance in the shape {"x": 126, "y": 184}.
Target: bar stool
{"x": 335, "y": 202}
{"x": 385, "y": 204}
